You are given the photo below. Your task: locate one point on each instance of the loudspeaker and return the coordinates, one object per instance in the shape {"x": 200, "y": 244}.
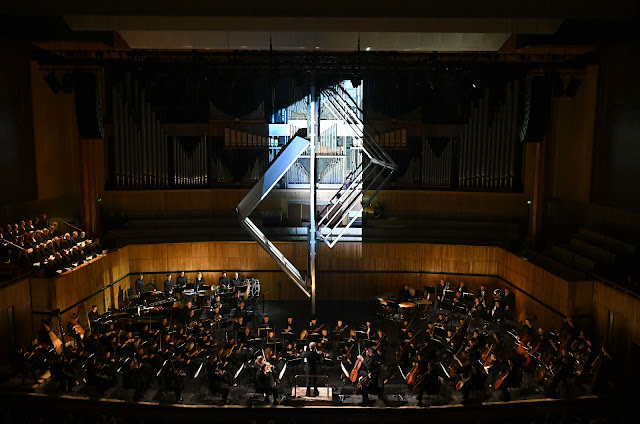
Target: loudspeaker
{"x": 88, "y": 107}
{"x": 537, "y": 109}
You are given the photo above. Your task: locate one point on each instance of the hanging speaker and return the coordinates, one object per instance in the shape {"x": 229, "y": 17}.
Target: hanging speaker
{"x": 537, "y": 109}
{"x": 88, "y": 107}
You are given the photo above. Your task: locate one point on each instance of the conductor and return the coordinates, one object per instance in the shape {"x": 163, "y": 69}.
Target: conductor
{"x": 312, "y": 361}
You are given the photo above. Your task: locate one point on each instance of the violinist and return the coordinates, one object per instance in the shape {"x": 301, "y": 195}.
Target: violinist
{"x": 265, "y": 382}
{"x": 368, "y": 330}
{"x": 312, "y": 360}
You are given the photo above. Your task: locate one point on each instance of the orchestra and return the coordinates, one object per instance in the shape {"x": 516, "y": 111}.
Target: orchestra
{"x": 172, "y": 337}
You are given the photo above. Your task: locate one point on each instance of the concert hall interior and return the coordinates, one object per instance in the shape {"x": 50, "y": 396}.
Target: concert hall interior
{"x": 361, "y": 211}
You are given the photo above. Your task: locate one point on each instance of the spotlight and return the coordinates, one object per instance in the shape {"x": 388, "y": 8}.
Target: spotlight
{"x": 473, "y": 85}
{"x": 368, "y": 49}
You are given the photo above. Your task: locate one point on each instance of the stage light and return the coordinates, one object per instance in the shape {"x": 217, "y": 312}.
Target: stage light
{"x": 473, "y": 85}
{"x": 368, "y": 48}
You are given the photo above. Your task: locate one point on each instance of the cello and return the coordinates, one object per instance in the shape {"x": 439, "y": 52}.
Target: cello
{"x": 356, "y": 368}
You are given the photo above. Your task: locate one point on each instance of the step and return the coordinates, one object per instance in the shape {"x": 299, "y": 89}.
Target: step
{"x": 610, "y": 243}
{"x": 592, "y": 251}
{"x": 567, "y": 256}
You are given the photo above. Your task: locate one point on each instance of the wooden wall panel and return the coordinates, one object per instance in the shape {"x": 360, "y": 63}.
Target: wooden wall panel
{"x": 625, "y": 309}
{"x": 352, "y": 271}
{"x": 14, "y": 296}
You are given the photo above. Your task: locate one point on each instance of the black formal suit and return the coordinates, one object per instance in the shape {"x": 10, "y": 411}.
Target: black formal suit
{"x": 140, "y": 286}
{"x": 312, "y": 361}
{"x": 168, "y": 287}
{"x": 182, "y": 281}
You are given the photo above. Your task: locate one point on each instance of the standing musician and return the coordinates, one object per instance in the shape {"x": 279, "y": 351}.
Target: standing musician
{"x": 140, "y": 285}
{"x": 237, "y": 281}
{"x": 168, "y": 286}
{"x": 223, "y": 281}
{"x": 182, "y": 280}
{"x": 265, "y": 382}
{"x": 428, "y": 383}
{"x": 440, "y": 293}
{"x": 509, "y": 303}
{"x": 368, "y": 375}
{"x": 312, "y": 360}
{"x": 198, "y": 282}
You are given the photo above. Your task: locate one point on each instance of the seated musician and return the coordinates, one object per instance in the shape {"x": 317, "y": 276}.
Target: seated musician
{"x": 223, "y": 281}
{"x": 339, "y": 329}
{"x": 289, "y": 329}
{"x": 441, "y": 321}
{"x": 303, "y": 340}
{"x": 217, "y": 302}
{"x": 238, "y": 325}
{"x": 461, "y": 288}
{"x": 244, "y": 335}
{"x": 313, "y": 326}
{"x": 404, "y": 295}
{"x": 182, "y": 280}
{"x": 368, "y": 330}
{"x": 237, "y": 281}
{"x": 217, "y": 316}
{"x": 241, "y": 310}
{"x": 264, "y": 325}
{"x": 324, "y": 336}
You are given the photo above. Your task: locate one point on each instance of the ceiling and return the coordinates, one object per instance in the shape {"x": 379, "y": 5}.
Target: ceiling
{"x": 330, "y": 25}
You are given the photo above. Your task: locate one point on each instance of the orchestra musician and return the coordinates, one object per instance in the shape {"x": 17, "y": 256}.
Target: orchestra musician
{"x": 440, "y": 293}
{"x": 198, "y": 283}
{"x": 368, "y": 375}
{"x": 265, "y": 383}
{"x": 140, "y": 284}
{"x": 223, "y": 281}
{"x": 237, "y": 281}
{"x": 168, "y": 286}
{"x": 182, "y": 280}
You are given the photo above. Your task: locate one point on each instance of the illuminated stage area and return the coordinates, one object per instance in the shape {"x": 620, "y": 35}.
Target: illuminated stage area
{"x": 337, "y": 211}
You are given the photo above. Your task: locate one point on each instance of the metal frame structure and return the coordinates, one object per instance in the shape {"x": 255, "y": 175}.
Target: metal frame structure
{"x": 345, "y": 206}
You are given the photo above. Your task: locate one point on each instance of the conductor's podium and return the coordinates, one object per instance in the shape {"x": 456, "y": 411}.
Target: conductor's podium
{"x": 299, "y": 398}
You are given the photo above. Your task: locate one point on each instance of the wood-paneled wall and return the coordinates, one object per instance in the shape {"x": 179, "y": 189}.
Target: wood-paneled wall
{"x": 567, "y": 298}
{"x": 14, "y": 296}
{"x": 625, "y": 312}
{"x": 350, "y": 272}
